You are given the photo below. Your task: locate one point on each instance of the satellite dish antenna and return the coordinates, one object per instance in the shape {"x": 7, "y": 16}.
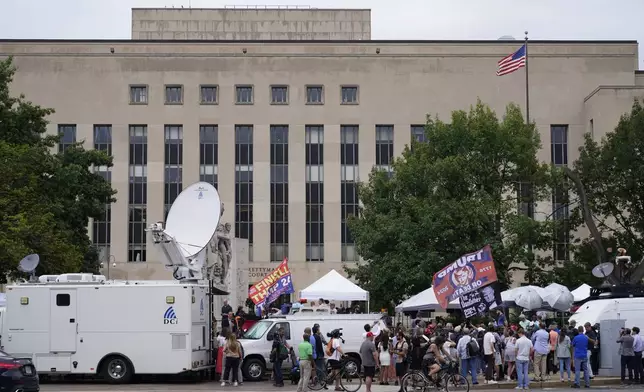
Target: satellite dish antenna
{"x": 603, "y": 270}
{"x": 190, "y": 225}
{"x": 28, "y": 265}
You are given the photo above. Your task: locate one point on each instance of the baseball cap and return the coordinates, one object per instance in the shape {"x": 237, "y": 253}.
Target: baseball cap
{"x": 369, "y": 334}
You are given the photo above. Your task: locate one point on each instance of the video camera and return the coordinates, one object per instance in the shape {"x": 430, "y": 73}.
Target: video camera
{"x": 335, "y": 334}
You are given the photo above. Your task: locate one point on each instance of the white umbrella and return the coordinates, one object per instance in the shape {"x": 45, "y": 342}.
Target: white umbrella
{"x": 529, "y": 298}
{"x": 558, "y": 297}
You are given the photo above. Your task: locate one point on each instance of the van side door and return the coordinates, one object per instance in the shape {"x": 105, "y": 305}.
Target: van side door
{"x": 63, "y": 321}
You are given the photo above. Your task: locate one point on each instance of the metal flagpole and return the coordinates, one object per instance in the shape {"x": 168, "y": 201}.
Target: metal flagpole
{"x": 527, "y": 84}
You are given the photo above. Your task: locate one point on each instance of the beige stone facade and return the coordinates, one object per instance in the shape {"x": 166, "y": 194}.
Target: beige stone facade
{"x": 398, "y": 83}
{"x": 251, "y": 23}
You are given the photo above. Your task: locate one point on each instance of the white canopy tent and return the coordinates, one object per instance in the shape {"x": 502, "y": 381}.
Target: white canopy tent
{"x": 425, "y": 300}
{"x": 336, "y": 287}
{"x": 582, "y": 292}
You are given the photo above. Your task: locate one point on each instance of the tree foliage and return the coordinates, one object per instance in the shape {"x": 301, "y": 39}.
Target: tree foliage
{"x": 449, "y": 196}
{"x": 46, "y": 198}
{"x": 612, "y": 171}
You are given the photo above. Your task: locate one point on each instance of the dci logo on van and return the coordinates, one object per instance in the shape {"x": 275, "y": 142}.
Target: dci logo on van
{"x": 170, "y": 317}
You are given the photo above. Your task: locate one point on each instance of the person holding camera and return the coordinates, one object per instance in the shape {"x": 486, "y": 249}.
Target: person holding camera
{"x": 627, "y": 354}
{"x": 335, "y": 353}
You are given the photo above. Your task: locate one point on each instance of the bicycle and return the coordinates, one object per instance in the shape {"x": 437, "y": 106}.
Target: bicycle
{"x": 447, "y": 378}
{"x": 349, "y": 381}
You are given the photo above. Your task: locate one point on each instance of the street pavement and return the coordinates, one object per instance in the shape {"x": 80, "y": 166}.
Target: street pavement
{"x": 267, "y": 387}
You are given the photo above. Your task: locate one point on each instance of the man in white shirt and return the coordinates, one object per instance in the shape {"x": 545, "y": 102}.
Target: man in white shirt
{"x": 524, "y": 349}
{"x": 468, "y": 363}
{"x": 638, "y": 346}
{"x": 488, "y": 353}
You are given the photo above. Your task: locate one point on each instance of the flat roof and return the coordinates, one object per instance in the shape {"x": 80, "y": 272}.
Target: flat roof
{"x": 251, "y": 8}
{"x": 318, "y": 42}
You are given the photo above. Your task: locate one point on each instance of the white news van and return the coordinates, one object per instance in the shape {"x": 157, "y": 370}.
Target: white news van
{"x": 82, "y": 324}
{"x": 629, "y": 309}
{"x": 258, "y": 340}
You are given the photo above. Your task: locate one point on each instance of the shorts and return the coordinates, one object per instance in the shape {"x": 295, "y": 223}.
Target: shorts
{"x": 369, "y": 371}
{"x": 401, "y": 369}
{"x": 335, "y": 364}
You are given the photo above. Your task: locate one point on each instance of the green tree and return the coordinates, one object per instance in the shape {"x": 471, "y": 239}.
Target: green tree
{"x": 612, "y": 172}
{"x": 46, "y": 199}
{"x": 449, "y": 196}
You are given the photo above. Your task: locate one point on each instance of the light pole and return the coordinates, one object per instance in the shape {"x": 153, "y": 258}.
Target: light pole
{"x": 112, "y": 262}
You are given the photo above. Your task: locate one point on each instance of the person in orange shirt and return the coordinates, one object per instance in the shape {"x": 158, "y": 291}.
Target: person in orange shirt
{"x": 554, "y": 336}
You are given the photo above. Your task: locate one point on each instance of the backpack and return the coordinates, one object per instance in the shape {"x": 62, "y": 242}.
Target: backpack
{"x": 472, "y": 348}
{"x": 329, "y": 348}
{"x": 283, "y": 352}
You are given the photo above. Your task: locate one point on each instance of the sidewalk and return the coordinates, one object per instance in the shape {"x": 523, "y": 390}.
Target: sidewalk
{"x": 553, "y": 383}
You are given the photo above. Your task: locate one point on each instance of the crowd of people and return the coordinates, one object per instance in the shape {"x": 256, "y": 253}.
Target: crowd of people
{"x": 496, "y": 351}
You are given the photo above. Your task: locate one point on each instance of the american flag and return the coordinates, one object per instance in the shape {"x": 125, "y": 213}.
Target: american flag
{"x": 512, "y": 62}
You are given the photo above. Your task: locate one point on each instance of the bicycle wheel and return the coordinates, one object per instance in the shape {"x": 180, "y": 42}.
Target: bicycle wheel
{"x": 350, "y": 382}
{"x": 318, "y": 380}
{"x": 456, "y": 382}
{"x": 414, "y": 381}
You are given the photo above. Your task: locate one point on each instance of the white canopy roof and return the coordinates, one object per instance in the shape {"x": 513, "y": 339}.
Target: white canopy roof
{"x": 334, "y": 286}
{"x": 582, "y": 292}
{"x": 425, "y": 300}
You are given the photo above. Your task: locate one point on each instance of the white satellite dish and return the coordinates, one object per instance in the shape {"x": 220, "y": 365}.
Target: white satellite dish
{"x": 28, "y": 264}
{"x": 193, "y": 217}
{"x": 192, "y": 222}
{"x": 603, "y": 270}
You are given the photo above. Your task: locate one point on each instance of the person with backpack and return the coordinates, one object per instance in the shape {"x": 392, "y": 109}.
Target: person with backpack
{"x": 279, "y": 353}
{"x": 468, "y": 352}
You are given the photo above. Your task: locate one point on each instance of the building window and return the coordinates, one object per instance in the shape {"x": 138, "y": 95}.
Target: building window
{"x": 348, "y": 187}
{"x": 102, "y": 227}
{"x": 314, "y": 187}
{"x": 314, "y": 95}
{"x": 138, "y": 192}
{"x": 244, "y": 95}
{"x": 418, "y": 133}
{"x": 244, "y": 184}
{"x": 139, "y": 94}
{"x": 279, "y": 95}
{"x": 67, "y": 134}
{"x": 173, "y": 94}
{"x": 279, "y": 192}
{"x": 526, "y": 199}
{"x": 209, "y": 94}
{"x": 349, "y": 95}
{"x": 592, "y": 129}
{"x": 384, "y": 147}
{"x": 208, "y": 154}
{"x": 173, "y": 165}
{"x": 560, "y": 196}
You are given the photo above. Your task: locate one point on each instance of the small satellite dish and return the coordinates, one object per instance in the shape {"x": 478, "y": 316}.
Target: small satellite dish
{"x": 193, "y": 217}
{"x": 603, "y": 270}
{"x": 29, "y": 263}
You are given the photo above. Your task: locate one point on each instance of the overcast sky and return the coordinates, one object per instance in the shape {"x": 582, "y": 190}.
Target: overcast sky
{"x": 402, "y": 19}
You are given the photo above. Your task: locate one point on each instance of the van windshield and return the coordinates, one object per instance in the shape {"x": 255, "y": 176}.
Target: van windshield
{"x": 258, "y": 330}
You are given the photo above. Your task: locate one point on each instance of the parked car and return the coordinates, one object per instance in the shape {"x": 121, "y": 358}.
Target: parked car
{"x": 17, "y": 374}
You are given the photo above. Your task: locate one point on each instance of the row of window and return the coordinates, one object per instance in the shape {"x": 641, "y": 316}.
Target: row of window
{"x": 244, "y": 94}
{"x": 279, "y": 182}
